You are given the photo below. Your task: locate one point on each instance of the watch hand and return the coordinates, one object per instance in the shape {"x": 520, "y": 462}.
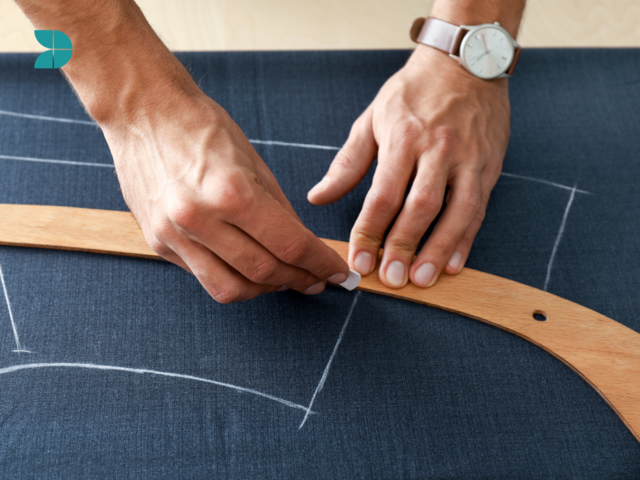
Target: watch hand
{"x": 484, "y": 43}
{"x": 480, "y": 56}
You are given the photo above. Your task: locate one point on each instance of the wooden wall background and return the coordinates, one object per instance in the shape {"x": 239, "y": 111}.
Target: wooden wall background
{"x": 345, "y": 24}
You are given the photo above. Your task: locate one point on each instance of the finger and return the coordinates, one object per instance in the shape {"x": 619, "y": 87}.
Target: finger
{"x": 264, "y": 219}
{"x": 157, "y": 241}
{"x": 382, "y": 203}
{"x": 461, "y": 253}
{"x": 223, "y": 283}
{"x": 350, "y": 164}
{"x": 174, "y": 258}
{"x": 420, "y": 209}
{"x": 462, "y": 209}
{"x": 252, "y": 260}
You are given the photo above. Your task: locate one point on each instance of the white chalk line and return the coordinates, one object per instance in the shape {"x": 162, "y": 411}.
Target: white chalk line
{"x": 110, "y": 165}
{"x": 31, "y": 366}
{"x": 94, "y": 124}
{"x": 258, "y": 142}
{"x": 289, "y": 144}
{"x": 325, "y": 374}
{"x": 63, "y": 162}
{"x": 546, "y": 182}
{"x": 48, "y": 119}
{"x": 559, "y": 237}
{"x": 19, "y": 348}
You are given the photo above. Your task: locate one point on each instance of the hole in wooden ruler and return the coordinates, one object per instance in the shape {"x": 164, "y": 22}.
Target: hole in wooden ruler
{"x": 539, "y": 315}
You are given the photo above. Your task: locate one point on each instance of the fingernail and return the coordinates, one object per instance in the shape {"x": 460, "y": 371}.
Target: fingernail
{"x": 315, "y": 288}
{"x": 396, "y": 274}
{"x": 455, "y": 261}
{"x": 282, "y": 288}
{"x": 337, "y": 278}
{"x": 363, "y": 263}
{"x": 424, "y": 275}
{"x": 321, "y": 185}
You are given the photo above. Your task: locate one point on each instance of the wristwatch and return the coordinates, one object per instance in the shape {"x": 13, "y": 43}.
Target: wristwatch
{"x": 486, "y": 51}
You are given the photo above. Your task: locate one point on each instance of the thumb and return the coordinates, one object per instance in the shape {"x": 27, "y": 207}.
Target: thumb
{"x": 351, "y": 163}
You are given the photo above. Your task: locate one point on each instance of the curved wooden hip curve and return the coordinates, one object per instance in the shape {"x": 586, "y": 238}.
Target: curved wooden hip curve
{"x": 602, "y": 351}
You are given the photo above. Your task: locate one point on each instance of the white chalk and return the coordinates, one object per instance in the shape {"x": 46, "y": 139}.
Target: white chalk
{"x": 352, "y": 281}
{"x": 28, "y": 366}
{"x": 325, "y": 374}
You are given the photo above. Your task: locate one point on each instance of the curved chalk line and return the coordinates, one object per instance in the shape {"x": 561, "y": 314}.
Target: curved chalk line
{"x": 32, "y": 366}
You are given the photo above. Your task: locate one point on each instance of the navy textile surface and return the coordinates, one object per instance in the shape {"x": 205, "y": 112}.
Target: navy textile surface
{"x": 135, "y": 371}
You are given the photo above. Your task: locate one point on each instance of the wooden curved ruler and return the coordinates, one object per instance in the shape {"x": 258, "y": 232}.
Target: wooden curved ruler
{"x": 602, "y": 351}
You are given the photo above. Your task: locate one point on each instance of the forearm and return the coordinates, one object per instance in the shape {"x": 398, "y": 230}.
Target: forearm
{"x": 119, "y": 66}
{"x": 475, "y": 12}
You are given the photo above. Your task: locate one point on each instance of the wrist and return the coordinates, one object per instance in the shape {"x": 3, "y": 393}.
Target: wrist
{"x": 120, "y": 69}
{"x": 426, "y": 61}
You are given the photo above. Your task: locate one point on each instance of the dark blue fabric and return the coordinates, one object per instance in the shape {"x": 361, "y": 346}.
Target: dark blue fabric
{"x": 413, "y": 392}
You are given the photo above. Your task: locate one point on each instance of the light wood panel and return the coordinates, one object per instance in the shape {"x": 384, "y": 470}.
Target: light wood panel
{"x": 602, "y": 351}
{"x": 344, "y": 24}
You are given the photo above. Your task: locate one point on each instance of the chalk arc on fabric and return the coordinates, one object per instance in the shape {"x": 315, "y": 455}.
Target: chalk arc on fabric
{"x": 605, "y": 353}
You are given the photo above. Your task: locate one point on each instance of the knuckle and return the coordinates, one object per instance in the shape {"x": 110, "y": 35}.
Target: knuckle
{"x": 385, "y": 199}
{"x": 182, "y": 211}
{"x": 229, "y": 294}
{"x": 158, "y": 246}
{"x": 467, "y": 239}
{"x": 363, "y": 236}
{"x": 446, "y": 138}
{"x": 295, "y": 250}
{"x": 425, "y": 200}
{"x": 343, "y": 162}
{"x": 160, "y": 231}
{"x": 406, "y": 134}
{"x": 470, "y": 201}
{"x": 401, "y": 245}
{"x": 263, "y": 271}
{"x": 441, "y": 249}
{"x": 481, "y": 214}
{"x": 234, "y": 192}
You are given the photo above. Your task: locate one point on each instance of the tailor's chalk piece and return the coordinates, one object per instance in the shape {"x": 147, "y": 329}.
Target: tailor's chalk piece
{"x": 352, "y": 281}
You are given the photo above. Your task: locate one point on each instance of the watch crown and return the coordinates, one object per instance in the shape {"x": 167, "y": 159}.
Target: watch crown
{"x": 496, "y": 23}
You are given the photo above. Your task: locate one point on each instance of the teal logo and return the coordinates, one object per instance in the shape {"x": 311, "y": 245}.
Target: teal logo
{"x": 59, "y": 46}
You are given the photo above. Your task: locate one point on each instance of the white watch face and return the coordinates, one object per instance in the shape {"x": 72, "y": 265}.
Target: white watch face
{"x": 487, "y": 52}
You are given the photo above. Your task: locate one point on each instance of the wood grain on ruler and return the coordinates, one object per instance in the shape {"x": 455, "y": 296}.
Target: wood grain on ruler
{"x": 604, "y": 352}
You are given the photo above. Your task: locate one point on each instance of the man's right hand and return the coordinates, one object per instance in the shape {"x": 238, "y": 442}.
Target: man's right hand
{"x": 206, "y": 201}
{"x": 204, "y": 198}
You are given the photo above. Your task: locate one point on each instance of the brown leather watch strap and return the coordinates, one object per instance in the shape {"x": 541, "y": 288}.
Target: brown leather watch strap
{"x": 516, "y": 56}
{"x": 438, "y": 34}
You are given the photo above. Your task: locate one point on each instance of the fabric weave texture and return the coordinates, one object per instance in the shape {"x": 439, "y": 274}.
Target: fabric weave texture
{"x": 123, "y": 351}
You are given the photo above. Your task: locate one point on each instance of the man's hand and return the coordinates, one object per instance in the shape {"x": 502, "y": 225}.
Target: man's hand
{"x": 437, "y": 124}
{"x": 204, "y": 198}
{"x": 206, "y": 201}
